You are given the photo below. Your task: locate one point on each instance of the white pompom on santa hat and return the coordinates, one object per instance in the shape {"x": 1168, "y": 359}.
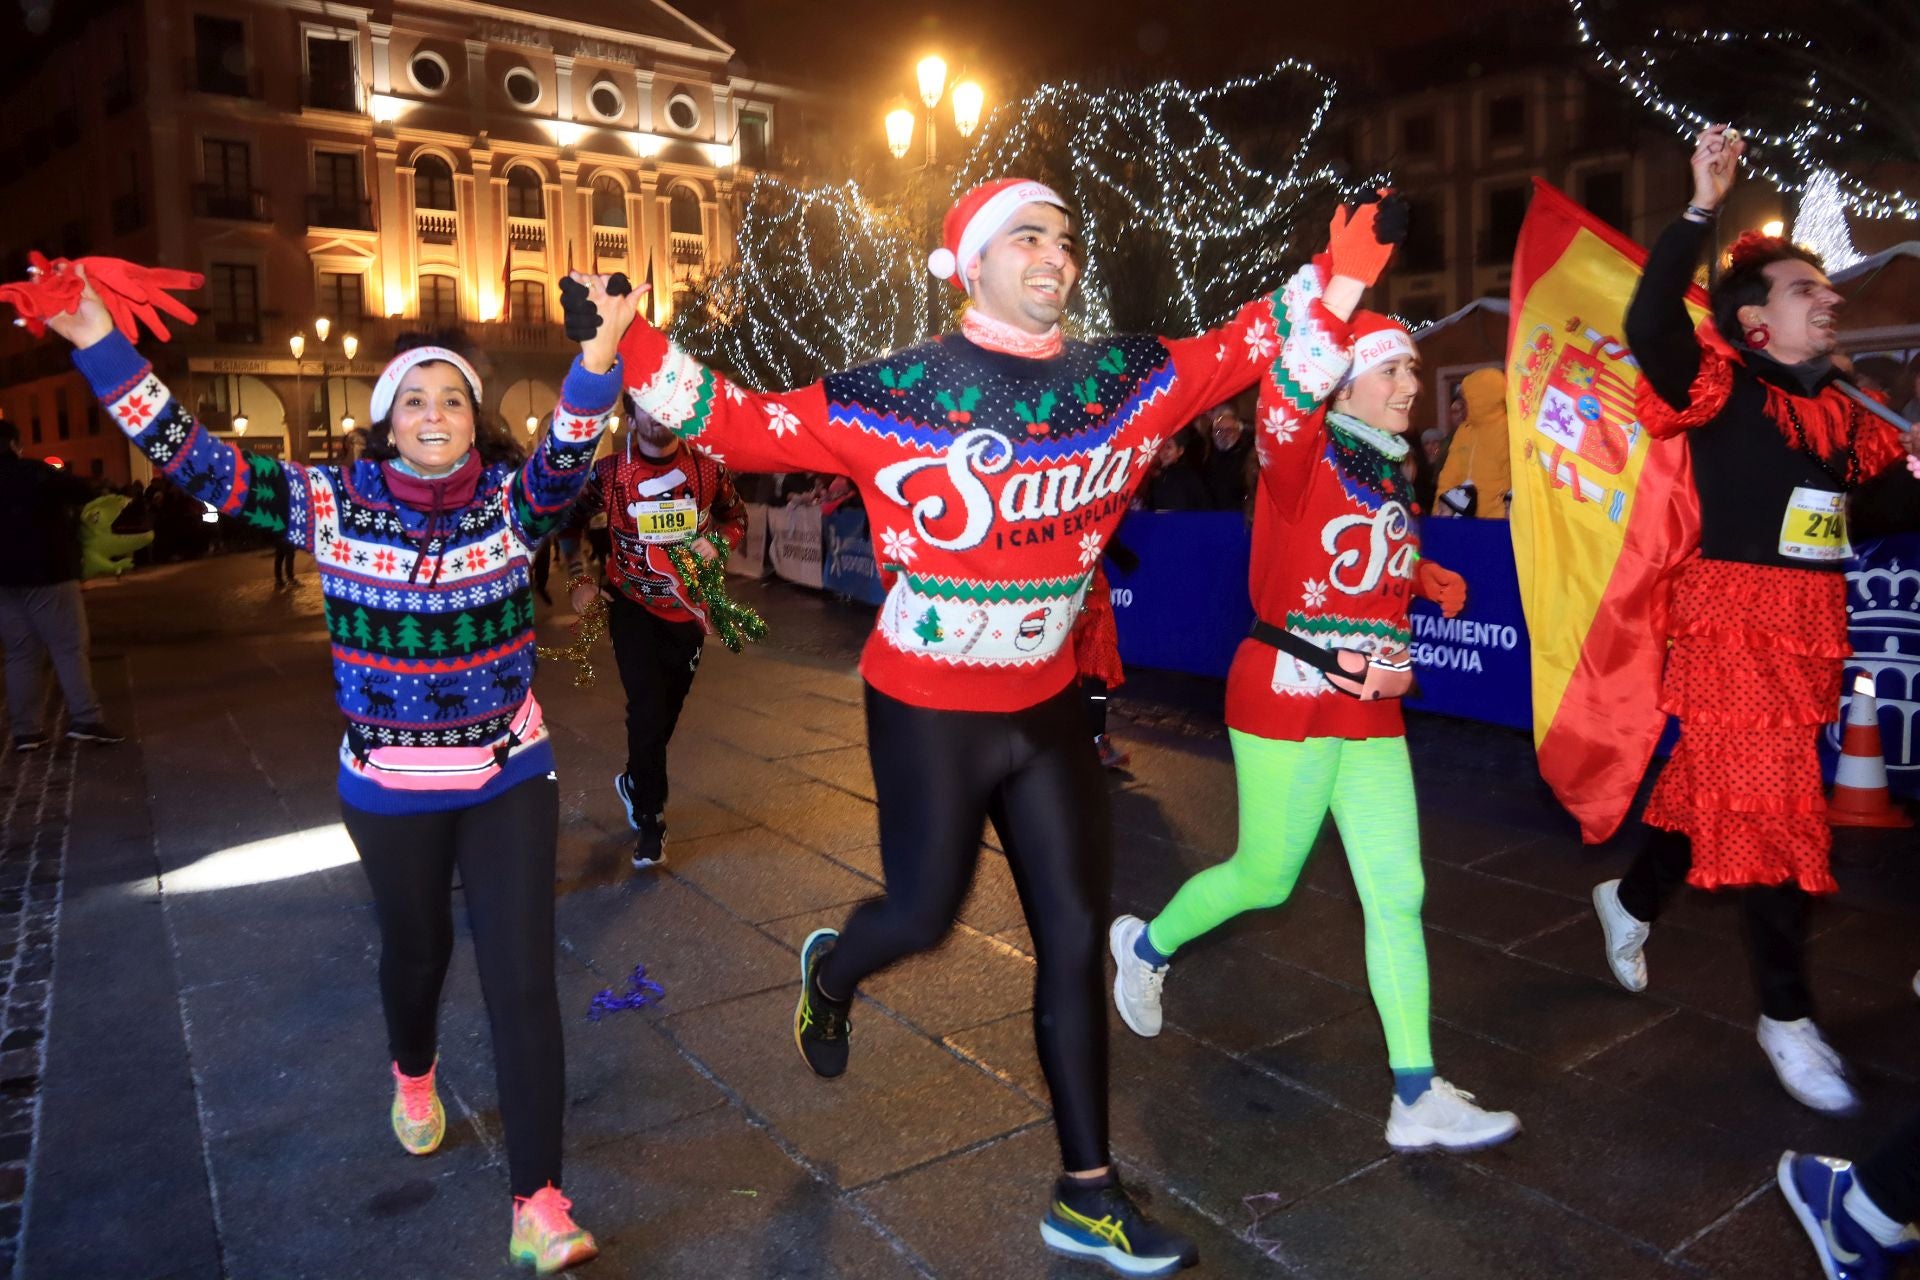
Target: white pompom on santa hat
{"x": 974, "y": 219}
{"x": 1376, "y": 340}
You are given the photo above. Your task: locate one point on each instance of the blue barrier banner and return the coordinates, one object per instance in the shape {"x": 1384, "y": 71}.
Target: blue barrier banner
{"x": 1479, "y": 665}
{"x": 847, "y": 565}
{"x": 1883, "y": 599}
{"x": 1185, "y": 608}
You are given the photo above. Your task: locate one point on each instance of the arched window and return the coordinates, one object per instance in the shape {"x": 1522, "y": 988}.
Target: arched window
{"x": 525, "y": 196}
{"x": 609, "y": 203}
{"x": 684, "y": 213}
{"x": 432, "y": 183}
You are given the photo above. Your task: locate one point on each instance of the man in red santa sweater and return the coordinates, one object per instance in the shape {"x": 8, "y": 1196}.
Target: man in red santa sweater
{"x": 994, "y": 465}
{"x": 656, "y": 493}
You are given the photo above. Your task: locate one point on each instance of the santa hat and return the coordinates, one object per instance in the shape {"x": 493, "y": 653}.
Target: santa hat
{"x": 1376, "y": 340}
{"x": 974, "y": 219}
{"x": 387, "y": 385}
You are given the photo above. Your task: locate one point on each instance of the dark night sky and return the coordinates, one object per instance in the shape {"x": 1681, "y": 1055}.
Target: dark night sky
{"x": 867, "y": 46}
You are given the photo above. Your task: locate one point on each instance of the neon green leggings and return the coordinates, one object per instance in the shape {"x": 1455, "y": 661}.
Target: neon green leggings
{"x": 1286, "y": 788}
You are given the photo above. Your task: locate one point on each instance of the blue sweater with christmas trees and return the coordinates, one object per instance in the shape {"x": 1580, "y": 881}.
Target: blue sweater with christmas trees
{"x": 433, "y": 645}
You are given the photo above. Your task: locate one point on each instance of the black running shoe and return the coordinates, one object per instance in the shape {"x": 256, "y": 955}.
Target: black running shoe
{"x": 24, "y": 742}
{"x": 1103, "y": 1225}
{"x": 651, "y": 848}
{"x": 94, "y": 731}
{"x": 820, "y": 1026}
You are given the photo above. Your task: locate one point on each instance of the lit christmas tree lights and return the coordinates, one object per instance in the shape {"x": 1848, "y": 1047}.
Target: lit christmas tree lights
{"x": 1780, "y": 92}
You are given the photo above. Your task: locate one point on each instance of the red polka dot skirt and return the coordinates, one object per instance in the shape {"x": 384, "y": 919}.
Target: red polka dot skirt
{"x": 1096, "y": 636}
{"x": 1753, "y": 673}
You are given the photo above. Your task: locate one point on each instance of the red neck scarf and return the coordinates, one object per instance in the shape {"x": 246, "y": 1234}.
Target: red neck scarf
{"x": 982, "y": 330}
{"x": 1828, "y": 425}
{"x": 438, "y": 496}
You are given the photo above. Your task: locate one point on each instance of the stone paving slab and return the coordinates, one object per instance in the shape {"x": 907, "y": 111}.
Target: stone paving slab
{"x": 903, "y": 1100}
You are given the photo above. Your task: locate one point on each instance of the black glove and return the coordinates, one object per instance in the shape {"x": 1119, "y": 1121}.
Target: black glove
{"x": 576, "y": 306}
{"x": 1390, "y": 224}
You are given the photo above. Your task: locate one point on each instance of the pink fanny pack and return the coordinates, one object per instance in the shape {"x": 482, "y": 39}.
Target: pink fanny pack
{"x": 446, "y": 768}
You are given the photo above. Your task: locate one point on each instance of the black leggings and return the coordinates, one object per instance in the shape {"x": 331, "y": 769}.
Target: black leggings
{"x": 1891, "y": 1175}
{"x": 657, "y": 660}
{"x": 505, "y": 851}
{"x": 1035, "y": 775}
{"x": 1775, "y": 917}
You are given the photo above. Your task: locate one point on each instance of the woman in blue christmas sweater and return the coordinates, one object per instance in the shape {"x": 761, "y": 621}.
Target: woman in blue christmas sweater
{"x": 423, "y": 547}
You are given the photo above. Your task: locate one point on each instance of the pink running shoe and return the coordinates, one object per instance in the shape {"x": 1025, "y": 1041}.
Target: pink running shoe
{"x": 545, "y": 1236}
{"x": 419, "y": 1121}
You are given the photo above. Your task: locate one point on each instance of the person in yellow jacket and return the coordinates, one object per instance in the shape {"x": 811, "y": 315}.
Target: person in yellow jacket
{"x": 1477, "y": 476}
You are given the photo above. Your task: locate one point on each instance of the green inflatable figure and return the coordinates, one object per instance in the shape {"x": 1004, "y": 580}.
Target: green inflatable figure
{"x": 104, "y": 553}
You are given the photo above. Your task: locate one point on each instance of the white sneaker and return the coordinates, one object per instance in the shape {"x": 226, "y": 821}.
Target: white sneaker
{"x": 1807, "y": 1065}
{"x": 1626, "y": 936}
{"x": 1447, "y": 1117}
{"x": 1136, "y": 984}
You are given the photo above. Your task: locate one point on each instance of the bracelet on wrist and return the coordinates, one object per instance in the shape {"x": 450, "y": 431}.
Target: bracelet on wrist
{"x": 1697, "y": 214}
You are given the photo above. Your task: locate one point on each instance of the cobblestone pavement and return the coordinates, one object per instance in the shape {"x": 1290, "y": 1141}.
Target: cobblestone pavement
{"x": 212, "y": 1088}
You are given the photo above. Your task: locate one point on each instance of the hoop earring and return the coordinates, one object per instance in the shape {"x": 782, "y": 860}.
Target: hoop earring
{"x": 1758, "y": 337}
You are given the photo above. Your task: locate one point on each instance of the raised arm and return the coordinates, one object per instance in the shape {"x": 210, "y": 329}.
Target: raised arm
{"x": 1659, "y": 330}
{"x": 254, "y": 488}
{"x": 743, "y": 429}
{"x": 552, "y": 478}
{"x": 1299, "y": 333}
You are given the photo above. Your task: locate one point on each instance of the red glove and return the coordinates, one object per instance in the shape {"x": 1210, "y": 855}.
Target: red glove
{"x": 1359, "y": 242}
{"x": 1442, "y": 586}
{"x": 129, "y": 292}
{"x": 49, "y": 290}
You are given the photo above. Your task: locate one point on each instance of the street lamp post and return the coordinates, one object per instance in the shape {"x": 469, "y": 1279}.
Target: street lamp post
{"x": 349, "y": 347}
{"x": 930, "y": 78}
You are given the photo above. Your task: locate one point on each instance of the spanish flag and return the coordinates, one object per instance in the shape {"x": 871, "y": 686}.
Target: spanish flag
{"x": 1601, "y": 511}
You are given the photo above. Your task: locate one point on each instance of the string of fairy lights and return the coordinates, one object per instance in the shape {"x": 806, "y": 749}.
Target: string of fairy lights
{"x": 1791, "y": 158}
{"x": 823, "y": 280}
{"x": 1225, "y": 220}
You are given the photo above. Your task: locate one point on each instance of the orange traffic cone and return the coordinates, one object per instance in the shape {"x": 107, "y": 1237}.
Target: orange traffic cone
{"x": 1860, "y": 782}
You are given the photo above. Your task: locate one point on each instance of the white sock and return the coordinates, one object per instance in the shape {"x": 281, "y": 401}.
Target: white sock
{"x": 1870, "y": 1217}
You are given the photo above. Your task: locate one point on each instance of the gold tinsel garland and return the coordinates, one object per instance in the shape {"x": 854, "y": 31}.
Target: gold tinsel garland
{"x": 706, "y": 583}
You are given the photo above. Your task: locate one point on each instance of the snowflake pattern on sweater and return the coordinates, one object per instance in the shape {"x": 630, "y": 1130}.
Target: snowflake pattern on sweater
{"x": 1334, "y": 550}
{"x": 992, "y": 482}
{"x": 433, "y": 641}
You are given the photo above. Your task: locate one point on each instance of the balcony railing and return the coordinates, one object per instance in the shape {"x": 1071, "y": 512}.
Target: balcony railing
{"x": 527, "y": 233}
{"x": 437, "y": 226}
{"x": 210, "y": 200}
{"x": 210, "y": 76}
{"x": 518, "y": 335}
{"x": 331, "y": 211}
{"x": 609, "y": 243}
{"x": 689, "y": 249}
{"x": 244, "y": 330}
{"x": 327, "y": 93}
